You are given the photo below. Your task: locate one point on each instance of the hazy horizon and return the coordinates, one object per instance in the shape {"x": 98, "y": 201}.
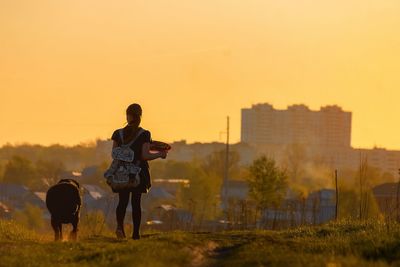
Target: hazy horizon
{"x": 222, "y": 138}
{"x": 69, "y": 69}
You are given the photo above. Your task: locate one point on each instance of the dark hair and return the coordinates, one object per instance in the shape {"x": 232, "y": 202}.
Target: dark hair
{"x": 135, "y": 111}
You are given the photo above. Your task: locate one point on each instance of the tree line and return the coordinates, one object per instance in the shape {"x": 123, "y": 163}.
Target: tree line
{"x": 268, "y": 180}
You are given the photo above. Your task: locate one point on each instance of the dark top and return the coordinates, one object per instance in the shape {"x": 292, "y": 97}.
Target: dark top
{"x": 145, "y": 137}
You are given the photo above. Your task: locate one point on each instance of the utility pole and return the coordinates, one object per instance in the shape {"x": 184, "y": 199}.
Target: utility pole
{"x": 397, "y": 198}
{"x": 360, "y": 169}
{"x": 337, "y": 196}
{"x": 226, "y": 164}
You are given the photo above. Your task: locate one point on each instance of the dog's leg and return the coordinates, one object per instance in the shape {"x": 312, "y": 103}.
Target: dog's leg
{"x": 74, "y": 233}
{"x": 61, "y": 233}
{"x": 57, "y": 229}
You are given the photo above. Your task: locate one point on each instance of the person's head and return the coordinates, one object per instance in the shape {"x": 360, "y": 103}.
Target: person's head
{"x": 133, "y": 115}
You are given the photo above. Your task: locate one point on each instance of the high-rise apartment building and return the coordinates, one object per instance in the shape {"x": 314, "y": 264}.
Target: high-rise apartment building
{"x": 328, "y": 127}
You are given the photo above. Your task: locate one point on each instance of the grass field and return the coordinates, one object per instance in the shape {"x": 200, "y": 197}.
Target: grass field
{"x": 340, "y": 244}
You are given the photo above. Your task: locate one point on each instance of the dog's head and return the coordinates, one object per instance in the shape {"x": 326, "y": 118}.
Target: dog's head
{"x": 69, "y": 181}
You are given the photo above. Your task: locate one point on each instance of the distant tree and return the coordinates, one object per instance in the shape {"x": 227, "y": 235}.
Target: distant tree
{"x": 348, "y": 197}
{"x": 49, "y": 171}
{"x": 1, "y": 172}
{"x": 267, "y": 182}
{"x": 214, "y": 164}
{"x": 368, "y": 177}
{"x": 306, "y": 173}
{"x": 356, "y": 198}
{"x": 74, "y": 158}
{"x": 294, "y": 161}
{"x": 19, "y": 170}
{"x": 348, "y": 208}
{"x": 387, "y": 178}
{"x": 201, "y": 197}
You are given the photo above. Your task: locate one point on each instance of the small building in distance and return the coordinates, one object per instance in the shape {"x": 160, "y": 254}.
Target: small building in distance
{"x": 17, "y": 196}
{"x": 386, "y": 198}
{"x": 5, "y": 211}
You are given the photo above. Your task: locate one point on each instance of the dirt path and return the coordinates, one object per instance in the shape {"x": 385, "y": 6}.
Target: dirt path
{"x": 201, "y": 254}
{"x": 213, "y": 252}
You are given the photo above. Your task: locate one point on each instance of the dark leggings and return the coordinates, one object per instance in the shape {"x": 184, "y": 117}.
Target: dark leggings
{"x": 136, "y": 210}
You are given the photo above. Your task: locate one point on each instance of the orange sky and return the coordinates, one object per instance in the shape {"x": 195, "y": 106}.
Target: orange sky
{"x": 69, "y": 68}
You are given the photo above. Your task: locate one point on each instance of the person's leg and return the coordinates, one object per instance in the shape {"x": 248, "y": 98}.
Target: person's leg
{"x": 136, "y": 214}
{"x": 120, "y": 212}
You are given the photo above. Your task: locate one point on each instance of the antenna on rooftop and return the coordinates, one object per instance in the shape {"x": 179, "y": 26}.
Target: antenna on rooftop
{"x": 226, "y": 170}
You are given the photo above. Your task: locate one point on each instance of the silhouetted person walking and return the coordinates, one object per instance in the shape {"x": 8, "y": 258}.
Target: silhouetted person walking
{"x": 141, "y": 148}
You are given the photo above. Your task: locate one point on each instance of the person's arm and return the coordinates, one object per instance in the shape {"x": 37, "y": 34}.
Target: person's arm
{"x": 115, "y": 138}
{"x": 115, "y": 144}
{"x": 147, "y": 155}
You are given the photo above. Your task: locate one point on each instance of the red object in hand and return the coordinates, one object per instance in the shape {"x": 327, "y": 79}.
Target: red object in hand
{"x": 159, "y": 146}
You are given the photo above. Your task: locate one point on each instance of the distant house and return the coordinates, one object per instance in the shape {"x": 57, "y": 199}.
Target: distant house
{"x": 168, "y": 217}
{"x": 171, "y": 185}
{"x": 94, "y": 192}
{"x": 5, "y": 211}
{"x": 17, "y": 196}
{"x": 159, "y": 193}
{"x": 321, "y": 206}
{"x": 70, "y": 175}
{"x": 41, "y": 199}
{"x": 386, "y": 197}
{"x": 94, "y": 197}
{"x": 89, "y": 171}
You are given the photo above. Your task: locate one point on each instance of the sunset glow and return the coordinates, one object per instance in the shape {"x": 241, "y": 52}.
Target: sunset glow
{"x": 68, "y": 69}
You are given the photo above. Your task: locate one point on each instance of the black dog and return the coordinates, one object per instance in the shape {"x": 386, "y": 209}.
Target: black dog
{"x": 63, "y": 201}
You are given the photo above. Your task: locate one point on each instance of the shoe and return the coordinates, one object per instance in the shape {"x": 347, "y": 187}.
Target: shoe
{"x": 135, "y": 236}
{"x": 120, "y": 233}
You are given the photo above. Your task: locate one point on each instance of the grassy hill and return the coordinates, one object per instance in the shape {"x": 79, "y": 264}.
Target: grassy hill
{"x": 339, "y": 244}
